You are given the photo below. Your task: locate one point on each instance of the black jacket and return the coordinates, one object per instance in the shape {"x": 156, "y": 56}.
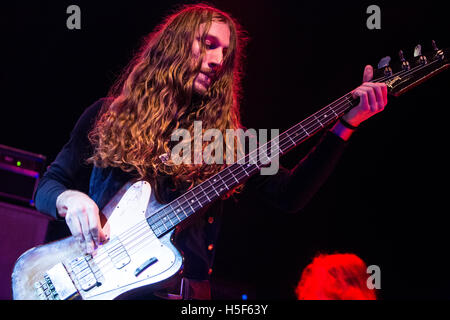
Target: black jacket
{"x": 288, "y": 190}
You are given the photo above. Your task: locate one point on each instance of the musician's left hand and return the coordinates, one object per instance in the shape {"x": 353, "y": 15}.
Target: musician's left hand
{"x": 373, "y": 99}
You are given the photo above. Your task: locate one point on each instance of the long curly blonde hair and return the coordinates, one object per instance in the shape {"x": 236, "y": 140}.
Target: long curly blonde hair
{"x": 154, "y": 96}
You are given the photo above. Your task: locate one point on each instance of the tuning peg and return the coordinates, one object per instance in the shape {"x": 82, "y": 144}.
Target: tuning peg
{"x": 418, "y": 53}
{"x": 384, "y": 63}
{"x": 433, "y": 43}
{"x": 438, "y": 53}
{"x": 405, "y": 64}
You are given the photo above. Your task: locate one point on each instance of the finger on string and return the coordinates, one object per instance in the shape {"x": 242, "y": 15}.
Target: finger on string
{"x": 363, "y": 100}
{"x": 89, "y": 242}
{"x": 378, "y": 94}
{"x": 75, "y": 228}
{"x": 94, "y": 223}
{"x": 371, "y": 97}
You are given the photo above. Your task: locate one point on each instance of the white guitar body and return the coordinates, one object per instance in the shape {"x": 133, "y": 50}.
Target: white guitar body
{"x": 133, "y": 259}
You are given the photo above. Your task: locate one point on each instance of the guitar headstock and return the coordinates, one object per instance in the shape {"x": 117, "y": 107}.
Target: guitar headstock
{"x": 409, "y": 72}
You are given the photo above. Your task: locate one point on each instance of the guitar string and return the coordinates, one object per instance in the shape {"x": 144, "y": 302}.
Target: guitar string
{"x": 400, "y": 73}
{"x": 294, "y": 127}
{"x": 225, "y": 179}
{"x": 126, "y": 241}
{"x": 337, "y": 103}
{"x": 317, "y": 113}
{"x": 130, "y": 241}
{"x": 139, "y": 226}
{"x": 379, "y": 79}
{"x": 137, "y": 236}
{"x": 145, "y": 232}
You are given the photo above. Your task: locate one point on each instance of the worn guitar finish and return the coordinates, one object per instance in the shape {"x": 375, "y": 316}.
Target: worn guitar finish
{"x": 133, "y": 257}
{"x": 139, "y": 255}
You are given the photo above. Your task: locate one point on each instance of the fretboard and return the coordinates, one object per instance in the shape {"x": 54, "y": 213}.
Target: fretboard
{"x": 169, "y": 216}
{"x": 218, "y": 185}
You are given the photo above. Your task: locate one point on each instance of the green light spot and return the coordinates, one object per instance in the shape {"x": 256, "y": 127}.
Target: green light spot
{"x": 19, "y": 163}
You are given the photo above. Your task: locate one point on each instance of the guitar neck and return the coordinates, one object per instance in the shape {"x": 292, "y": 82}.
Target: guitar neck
{"x": 218, "y": 185}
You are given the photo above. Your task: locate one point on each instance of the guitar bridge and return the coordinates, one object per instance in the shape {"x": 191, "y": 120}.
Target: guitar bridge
{"x": 57, "y": 285}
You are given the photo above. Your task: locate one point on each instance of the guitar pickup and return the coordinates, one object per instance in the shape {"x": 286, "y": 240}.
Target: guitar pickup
{"x": 118, "y": 253}
{"x": 84, "y": 273}
{"x": 145, "y": 265}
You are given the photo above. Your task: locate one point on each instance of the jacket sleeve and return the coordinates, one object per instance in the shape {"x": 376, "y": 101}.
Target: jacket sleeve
{"x": 290, "y": 190}
{"x": 69, "y": 170}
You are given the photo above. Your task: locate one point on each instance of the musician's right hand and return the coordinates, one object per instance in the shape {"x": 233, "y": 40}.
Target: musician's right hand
{"x": 82, "y": 217}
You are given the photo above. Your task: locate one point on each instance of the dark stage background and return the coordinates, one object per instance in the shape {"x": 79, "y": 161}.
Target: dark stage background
{"x": 385, "y": 202}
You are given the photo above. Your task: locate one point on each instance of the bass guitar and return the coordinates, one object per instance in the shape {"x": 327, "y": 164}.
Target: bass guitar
{"x": 140, "y": 254}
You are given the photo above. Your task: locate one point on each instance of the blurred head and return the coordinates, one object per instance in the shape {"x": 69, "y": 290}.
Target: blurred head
{"x": 335, "y": 277}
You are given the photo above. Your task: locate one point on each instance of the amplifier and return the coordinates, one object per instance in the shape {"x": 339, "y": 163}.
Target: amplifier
{"x": 21, "y": 229}
{"x": 19, "y": 173}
